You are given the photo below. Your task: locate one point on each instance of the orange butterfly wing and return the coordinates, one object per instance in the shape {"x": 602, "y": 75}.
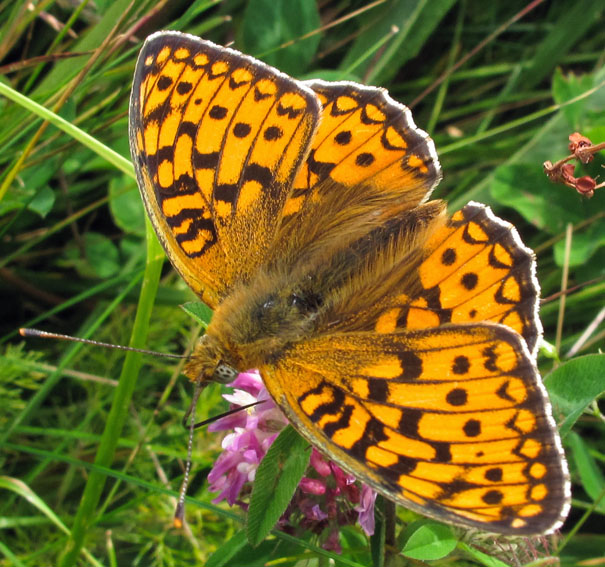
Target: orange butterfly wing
{"x": 438, "y": 405}
{"x": 365, "y": 140}
{"x": 452, "y": 422}
{"x": 217, "y": 138}
{"x": 476, "y": 269}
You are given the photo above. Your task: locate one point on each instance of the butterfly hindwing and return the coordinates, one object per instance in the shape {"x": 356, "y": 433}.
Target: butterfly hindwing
{"x": 218, "y": 138}
{"x": 452, "y": 422}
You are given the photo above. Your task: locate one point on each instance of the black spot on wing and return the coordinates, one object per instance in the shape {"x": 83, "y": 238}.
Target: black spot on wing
{"x": 378, "y": 389}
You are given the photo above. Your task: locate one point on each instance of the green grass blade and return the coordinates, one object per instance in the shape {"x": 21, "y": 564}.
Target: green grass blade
{"x": 119, "y": 408}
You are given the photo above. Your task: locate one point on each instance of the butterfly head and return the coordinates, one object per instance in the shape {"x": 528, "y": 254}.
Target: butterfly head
{"x": 210, "y": 362}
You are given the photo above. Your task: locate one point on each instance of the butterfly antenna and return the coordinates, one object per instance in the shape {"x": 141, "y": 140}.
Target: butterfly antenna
{"x": 219, "y": 416}
{"x": 192, "y": 426}
{"x": 27, "y": 333}
{"x": 179, "y": 513}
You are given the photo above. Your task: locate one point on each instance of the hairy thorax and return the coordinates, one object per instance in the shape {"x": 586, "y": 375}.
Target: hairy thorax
{"x": 340, "y": 286}
{"x": 254, "y": 326}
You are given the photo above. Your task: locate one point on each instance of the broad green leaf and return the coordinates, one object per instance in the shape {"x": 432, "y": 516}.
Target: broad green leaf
{"x": 355, "y": 545}
{"x": 583, "y": 245}
{"x": 269, "y": 24}
{"x": 100, "y": 260}
{"x": 574, "y": 385}
{"x": 126, "y": 206}
{"x": 429, "y": 540}
{"x": 549, "y": 142}
{"x": 590, "y": 475}
{"x": 525, "y": 188}
{"x": 32, "y": 190}
{"x": 43, "y": 201}
{"x": 566, "y": 87}
{"x": 101, "y": 254}
{"x": 199, "y": 311}
{"x": 276, "y": 480}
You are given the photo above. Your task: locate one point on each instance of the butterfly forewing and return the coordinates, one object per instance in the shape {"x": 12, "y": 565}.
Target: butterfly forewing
{"x": 217, "y": 138}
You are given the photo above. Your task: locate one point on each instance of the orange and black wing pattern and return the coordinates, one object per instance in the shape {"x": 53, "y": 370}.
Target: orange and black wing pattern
{"x": 412, "y": 362}
{"x": 368, "y": 141}
{"x": 439, "y": 405}
{"x": 452, "y": 422}
{"x": 475, "y": 269}
{"x": 217, "y": 138}
{"x": 368, "y": 163}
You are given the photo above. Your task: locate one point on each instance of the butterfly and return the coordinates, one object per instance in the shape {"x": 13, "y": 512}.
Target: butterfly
{"x": 398, "y": 340}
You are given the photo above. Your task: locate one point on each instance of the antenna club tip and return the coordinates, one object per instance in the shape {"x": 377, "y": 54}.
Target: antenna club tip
{"x": 179, "y": 514}
{"x": 23, "y": 332}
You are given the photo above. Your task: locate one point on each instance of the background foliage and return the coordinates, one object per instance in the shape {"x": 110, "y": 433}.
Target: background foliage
{"x": 95, "y": 462}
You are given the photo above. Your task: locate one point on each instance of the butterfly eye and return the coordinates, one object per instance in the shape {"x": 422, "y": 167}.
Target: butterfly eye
{"x": 224, "y": 374}
{"x": 306, "y": 302}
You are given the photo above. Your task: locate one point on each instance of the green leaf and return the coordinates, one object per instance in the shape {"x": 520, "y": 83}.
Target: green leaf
{"x": 276, "y": 480}
{"x": 225, "y": 553}
{"x": 525, "y": 188}
{"x": 590, "y": 475}
{"x": 574, "y": 385}
{"x": 199, "y": 311}
{"x": 43, "y": 201}
{"x": 33, "y": 191}
{"x": 481, "y": 557}
{"x": 269, "y": 24}
{"x": 583, "y": 245}
{"x": 566, "y": 87}
{"x": 428, "y": 540}
{"x": 100, "y": 259}
{"x": 548, "y": 142}
{"x": 102, "y": 254}
{"x": 126, "y": 206}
